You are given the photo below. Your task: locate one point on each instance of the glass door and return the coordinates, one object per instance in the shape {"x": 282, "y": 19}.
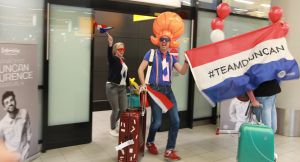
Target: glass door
{"x": 69, "y": 53}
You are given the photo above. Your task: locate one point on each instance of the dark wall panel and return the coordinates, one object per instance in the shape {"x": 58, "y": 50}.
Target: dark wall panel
{"x": 99, "y": 86}
{"x": 135, "y": 35}
{"x": 100, "y": 54}
{"x": 122, "y": 23}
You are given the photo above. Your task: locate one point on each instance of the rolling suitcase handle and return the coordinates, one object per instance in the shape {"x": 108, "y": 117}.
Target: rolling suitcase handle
{"x": 143, "y": 102}
{"x": 249, "y": 113}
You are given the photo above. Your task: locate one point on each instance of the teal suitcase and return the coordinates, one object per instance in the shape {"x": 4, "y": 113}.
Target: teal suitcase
{"x": 256, "y": 143}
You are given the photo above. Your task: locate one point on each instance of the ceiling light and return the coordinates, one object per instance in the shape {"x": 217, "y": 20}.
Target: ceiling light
{"x": 186, "y": 3}
{"x": 37, "y": 9}
{"x": 207, "y": 1}
{"x": 7, "y": 6}
{"x": 239, "y": 9}
{"x": 244, "y": 1}
{"x": 166, "y": 3}
{"x": 265, "y": 5}
{"x": 259, "y": 12}
{"x": 142, "y": 17}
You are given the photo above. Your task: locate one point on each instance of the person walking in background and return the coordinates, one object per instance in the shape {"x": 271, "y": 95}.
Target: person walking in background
{"x": 160, "y": 81}
{"x": 15, "y": 127}
{"x": 116, "y": 83}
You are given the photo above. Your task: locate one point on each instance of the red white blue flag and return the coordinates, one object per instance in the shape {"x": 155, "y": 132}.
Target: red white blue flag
{"x": 101, "y": 27}
{"x": 234, "y": 66}
{"x": 160, "y": 99}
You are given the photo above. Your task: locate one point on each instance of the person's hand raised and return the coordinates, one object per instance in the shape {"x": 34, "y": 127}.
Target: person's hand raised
{"x": 7, "y": 156}
{"x": 110, "y": 40}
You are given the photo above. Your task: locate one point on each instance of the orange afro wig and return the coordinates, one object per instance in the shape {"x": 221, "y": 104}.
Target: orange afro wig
{"x": 167, "y": 24}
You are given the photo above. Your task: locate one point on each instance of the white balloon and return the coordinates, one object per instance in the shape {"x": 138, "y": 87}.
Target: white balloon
{"x": 217, "y": 35}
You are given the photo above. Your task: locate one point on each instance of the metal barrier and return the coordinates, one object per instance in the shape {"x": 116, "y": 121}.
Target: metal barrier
{"x": 288, "y": 122}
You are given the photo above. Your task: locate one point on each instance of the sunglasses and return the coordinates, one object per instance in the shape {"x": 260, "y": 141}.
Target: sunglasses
{"x": 164, "y": 39}
{"x": 121, "y": 49}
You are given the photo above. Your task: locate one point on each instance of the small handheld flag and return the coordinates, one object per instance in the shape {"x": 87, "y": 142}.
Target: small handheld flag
{"x": 102, "y": 28}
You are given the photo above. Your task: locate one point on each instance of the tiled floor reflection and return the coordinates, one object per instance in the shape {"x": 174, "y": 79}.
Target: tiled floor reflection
{"x": 199, "y": 144}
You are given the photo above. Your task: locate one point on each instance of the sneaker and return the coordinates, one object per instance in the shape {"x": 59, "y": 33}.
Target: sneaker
{"x": 171, "y": 155}
{"x": 114, "y": 132}
{"x": 152, "y": 149}
{"x": 275, "y": 157}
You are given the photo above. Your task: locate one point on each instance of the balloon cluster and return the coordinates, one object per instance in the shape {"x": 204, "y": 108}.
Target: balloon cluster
{"x": 217, "y": 24}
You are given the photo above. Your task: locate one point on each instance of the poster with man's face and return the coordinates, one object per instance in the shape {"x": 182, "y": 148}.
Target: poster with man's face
{"x": 18, "y": 93}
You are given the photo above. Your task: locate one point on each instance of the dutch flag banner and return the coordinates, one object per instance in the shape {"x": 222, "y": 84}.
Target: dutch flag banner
{"x": 231, "y": 67}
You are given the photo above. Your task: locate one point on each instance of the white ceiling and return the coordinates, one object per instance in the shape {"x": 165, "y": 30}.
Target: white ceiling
{"x": 257, "y": 8}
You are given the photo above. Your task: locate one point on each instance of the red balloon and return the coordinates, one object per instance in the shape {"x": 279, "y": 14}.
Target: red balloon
{"x": 217, "y": 23}
{"x": 223, "y": 10}
{"x": 275, "y": 14}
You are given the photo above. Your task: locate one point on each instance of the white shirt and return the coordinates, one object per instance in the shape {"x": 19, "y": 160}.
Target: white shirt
{"x": 123, "y": 74}
{"x": 237, "y": 111}
{"x": 16, "y": 133}
{"x": 165, "y": 70}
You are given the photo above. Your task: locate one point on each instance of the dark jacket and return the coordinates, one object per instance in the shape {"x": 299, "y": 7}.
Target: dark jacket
{"x": 114, "y": 68}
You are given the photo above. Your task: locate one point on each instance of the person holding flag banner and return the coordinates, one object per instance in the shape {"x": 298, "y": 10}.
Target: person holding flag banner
{"x": 167, "y": 27}
{"x": 266, "y": 92}
{"x": 237, "y": 65}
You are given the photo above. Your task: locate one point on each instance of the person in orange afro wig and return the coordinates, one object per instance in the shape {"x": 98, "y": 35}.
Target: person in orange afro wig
{"x": 167, "y": 24}
{"x": 167, "y": 27}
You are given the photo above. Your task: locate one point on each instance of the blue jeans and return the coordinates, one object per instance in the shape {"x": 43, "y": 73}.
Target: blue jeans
{"x": 157, "y": 117}
{"x": 268, "y": 112}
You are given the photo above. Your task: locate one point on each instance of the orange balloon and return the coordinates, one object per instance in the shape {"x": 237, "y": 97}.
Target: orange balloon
{"x": 167, "y": 24}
